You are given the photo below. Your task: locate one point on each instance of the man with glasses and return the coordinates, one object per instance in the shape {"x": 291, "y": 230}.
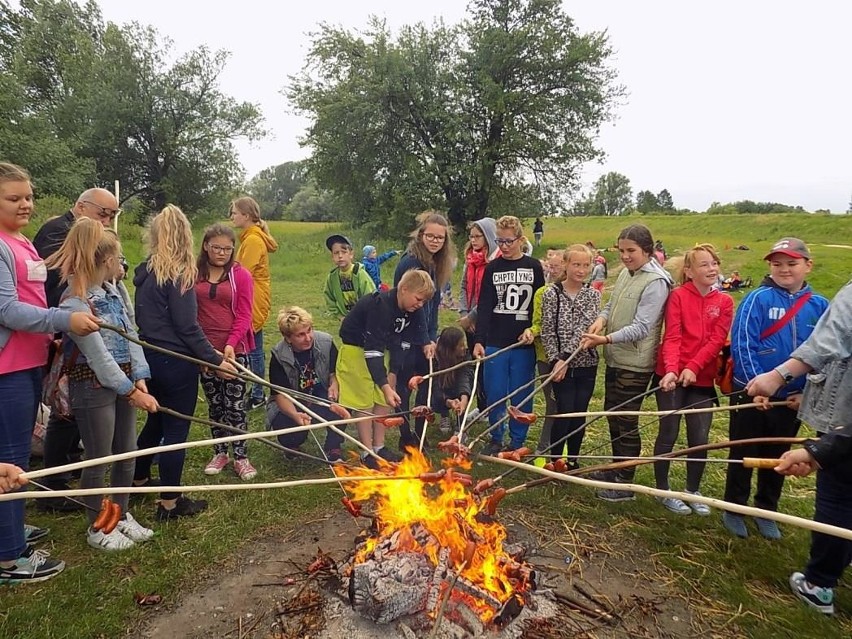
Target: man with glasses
{"x": 62, "y": 439}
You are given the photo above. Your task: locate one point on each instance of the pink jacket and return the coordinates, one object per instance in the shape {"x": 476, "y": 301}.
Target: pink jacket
{"x": 242, "y": 300}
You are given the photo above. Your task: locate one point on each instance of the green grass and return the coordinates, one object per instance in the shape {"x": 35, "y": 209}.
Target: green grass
{"x": 745, "y": 581}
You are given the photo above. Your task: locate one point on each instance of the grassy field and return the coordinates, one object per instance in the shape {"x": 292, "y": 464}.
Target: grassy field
{"x": 746, "y": 581}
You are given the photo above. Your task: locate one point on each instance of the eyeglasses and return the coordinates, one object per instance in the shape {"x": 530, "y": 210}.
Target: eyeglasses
{"x": 503, "y": 241}
{"x": 434, "y": 238}
{"x": 225, "y": 250}
{"x": 104, "y": 213}
{"x": 475, "y": 237}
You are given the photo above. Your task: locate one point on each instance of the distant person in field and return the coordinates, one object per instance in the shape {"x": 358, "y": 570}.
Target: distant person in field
{"x": 538, "y": 231}
{"x": 431, "y": 249}
{"x": 770, "y": 323}
{"x": 256, "y": 243}
{"x": 505, "y": 318}
{"x": 372, "y": 263}
{"x": 826, "y": 406}
{"x": 305, "y": 360}
{"x": 347, "y": 282}
{"x": 629, "y": 328}
{"x": 660, "y": 252}
{"x": 599, "y": 273}
{"x": 698, "y": 318}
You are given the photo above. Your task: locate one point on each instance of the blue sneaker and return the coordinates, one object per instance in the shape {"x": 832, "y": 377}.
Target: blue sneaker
{"x": 735, "y": 524}
{"x": 768, "y": 528}
{"x": 815, "y": 596}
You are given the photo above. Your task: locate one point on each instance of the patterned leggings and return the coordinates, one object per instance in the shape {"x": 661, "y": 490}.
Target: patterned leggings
{"x": 226, "y": 404}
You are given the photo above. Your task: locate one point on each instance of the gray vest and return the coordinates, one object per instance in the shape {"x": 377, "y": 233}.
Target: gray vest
{"x": 638, "y": 356}
{"x": 283, "y": 353}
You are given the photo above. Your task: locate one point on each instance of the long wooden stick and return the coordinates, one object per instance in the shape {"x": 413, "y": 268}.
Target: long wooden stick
{"x": 428, "y": 402}
{"x": 468, "y": 362}
{"x": 469, "y": 400}
{"x": 88, "y": 463}
{"x": 135, "y": 490}
{"x": 783, "y": 518}
{"x": 662, "y": 413}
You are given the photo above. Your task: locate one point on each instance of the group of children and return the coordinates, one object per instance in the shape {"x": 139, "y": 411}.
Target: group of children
{"x": 656, "y": 338}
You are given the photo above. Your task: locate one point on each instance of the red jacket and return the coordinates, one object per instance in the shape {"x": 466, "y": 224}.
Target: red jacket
{"x": 696, "y": 330}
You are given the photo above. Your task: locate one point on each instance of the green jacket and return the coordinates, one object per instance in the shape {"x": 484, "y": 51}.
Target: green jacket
{"x": 334, "y": 301}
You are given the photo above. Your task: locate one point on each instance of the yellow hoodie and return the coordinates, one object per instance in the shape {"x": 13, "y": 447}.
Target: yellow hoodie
{"x": 253, "y": 254}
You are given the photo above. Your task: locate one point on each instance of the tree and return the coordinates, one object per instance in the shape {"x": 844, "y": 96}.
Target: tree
{"x": 108, "y": 94}
{"x": 611, "y": 195}
{"x": 647, "y": 202}
{"x": 311, "y": 204}
{"x": 509, "y": 101}
{"x": 274, "y": 187}
{"x": 664, "y": 198}
{"x": 849, "y": 210}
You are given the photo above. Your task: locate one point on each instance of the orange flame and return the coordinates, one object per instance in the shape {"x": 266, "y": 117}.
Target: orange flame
{"x": 447, "y": 510}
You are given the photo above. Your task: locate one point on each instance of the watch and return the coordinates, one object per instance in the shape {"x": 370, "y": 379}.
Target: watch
{"x": 785, "y": 373}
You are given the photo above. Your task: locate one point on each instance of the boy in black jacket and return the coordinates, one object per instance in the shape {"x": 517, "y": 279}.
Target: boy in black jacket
{"x": 388, "y": 322}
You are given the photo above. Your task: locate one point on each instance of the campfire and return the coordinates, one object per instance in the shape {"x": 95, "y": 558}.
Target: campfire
{"x": 433, "y": 548}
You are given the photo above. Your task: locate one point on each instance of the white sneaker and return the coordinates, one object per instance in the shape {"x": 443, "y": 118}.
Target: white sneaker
{"x": 113, "y": 541}
{"x": 133, "y": 530}
{"x": 698, "y": 509}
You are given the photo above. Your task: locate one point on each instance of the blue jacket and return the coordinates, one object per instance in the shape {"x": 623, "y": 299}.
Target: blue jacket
{"x": 407, "y": 263}
{"x": 757, "y": 312}
{"x": 373, "y": 266}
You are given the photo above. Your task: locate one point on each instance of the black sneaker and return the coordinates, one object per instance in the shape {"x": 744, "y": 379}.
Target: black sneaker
{"x": 600, "y": 475}
{"x": 492, "y": 448}
{"x": 334, "y": 455}
{"x": 151, "y": 481}
{"x": 57, "y": 505}
{"x": 255, "y": 402}
{"x": 613, "y": 495}
{"x": 815, "y": 596}
{"x": 33, "y": 534}
{"x": 184, "y": 507}
{"x": 370, "y": 462}
{"x": 388, "y": 455}
{"x": 31, "y": 567}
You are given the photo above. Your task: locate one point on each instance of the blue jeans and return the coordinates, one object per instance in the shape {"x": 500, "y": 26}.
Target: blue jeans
{"x": 830, "y": 555}
{"x": 174, "y": 383}
{"x": 19, "y": 396}
{"x": 504, "y": 374}
{"x": 294, "y": 440}
{"x": 257, "y": 364}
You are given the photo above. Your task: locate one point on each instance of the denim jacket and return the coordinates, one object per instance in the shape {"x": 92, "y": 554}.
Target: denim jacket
{"x": 104, "y": 350}
{"x": 827, "y": 400}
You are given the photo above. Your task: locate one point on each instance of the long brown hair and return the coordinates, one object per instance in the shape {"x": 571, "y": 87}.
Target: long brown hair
{"x": 86, "y": 247}
{"x": 214, "y": 230}
{"x": 447, "y": 352}
{"x": 442, "y": 262}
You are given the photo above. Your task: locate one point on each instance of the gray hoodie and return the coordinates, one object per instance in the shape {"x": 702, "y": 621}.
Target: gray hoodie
{"x": 489, "y": 229}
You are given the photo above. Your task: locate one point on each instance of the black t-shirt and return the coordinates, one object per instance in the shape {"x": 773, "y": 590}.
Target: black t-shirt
{"x": 506, "y": 300}
{"x": 309, "y": 383}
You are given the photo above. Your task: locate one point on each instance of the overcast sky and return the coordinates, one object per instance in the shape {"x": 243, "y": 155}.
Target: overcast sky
{"x": 727, "y": 100}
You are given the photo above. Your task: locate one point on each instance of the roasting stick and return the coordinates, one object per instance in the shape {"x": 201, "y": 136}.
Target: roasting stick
{"x": 469, "y": 400}
{"x": 324, "y": 422}
{"x": 663, "y": 413}
{"x": 428, "y": 402}
{"x": 88, "y": 463}
{"x": 503, "y": 400}
{"x": 135, "y": 490}
{"x": 783, "y": 518}
{"x": 748, "y": 462}
{"x": 467, "y": 362}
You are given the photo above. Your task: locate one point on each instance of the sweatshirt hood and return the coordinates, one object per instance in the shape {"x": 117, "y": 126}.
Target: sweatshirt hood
{"x": 257, "y": 231}
{"x": 489, "y": 229}
{"x": 653, "y": 266}
{"x": 140, "y": 274}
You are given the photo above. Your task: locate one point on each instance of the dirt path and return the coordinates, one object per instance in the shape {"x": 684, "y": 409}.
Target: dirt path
{"x": 239, "y": 599}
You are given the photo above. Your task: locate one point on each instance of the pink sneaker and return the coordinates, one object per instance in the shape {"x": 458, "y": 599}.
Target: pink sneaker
{"x": 244, "y": 469}
{"x": 217, "y": 464}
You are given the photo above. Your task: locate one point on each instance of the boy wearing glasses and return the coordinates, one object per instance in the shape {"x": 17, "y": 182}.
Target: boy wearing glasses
{"x": 505, "y": 316}
{"x": 347, "y": 282}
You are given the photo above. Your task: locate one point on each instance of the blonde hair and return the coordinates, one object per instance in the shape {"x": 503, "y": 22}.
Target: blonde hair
{"x": 566, "y": 255}
{"x": 86, "y": 247}
{"x": 13, "y": 173}
{"x": 290, "y": 317}
{"x": 511, "y": 223}
{"x": 443, "y": 260}
{"x": 689, "y": 259}
{"x": 417, "y": 281}
{"x": 249, "y": 207}
{"x": 170, "y": 245}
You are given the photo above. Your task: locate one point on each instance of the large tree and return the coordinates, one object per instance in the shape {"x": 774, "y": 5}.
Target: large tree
{"x": 112, "y": 98}
{"x": 647, "y": 202}
{"x": 276, "y": 186}
{"x": 499, "y": 111}
{"x": 611, "y": 194}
